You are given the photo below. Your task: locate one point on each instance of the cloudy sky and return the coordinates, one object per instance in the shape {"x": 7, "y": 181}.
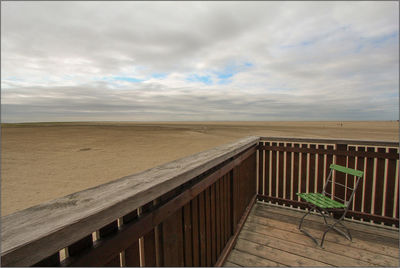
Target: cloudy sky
{"x": 173, "y": 61}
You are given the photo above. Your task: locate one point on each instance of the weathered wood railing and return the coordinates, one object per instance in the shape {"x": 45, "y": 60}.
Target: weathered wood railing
{"x": 186, "y": 212}
{"x": 289, "y": 165}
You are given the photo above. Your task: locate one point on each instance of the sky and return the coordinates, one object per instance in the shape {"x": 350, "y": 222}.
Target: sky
{"x": 199, "y": 61}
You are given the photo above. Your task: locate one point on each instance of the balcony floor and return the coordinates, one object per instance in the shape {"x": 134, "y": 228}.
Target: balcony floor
{"x": 270, "y": 237}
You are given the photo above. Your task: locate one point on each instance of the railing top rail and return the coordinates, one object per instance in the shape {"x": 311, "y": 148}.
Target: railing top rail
{"x": 333, "y": 141}
{"x": 50, "y": 226}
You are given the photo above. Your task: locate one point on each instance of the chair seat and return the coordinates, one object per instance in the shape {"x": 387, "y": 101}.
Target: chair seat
{"x": 321, "y": 200}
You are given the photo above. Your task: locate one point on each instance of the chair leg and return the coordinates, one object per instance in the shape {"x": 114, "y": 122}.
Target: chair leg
{"x": 333, "y": 227}
{"x": 304, "y": 231}
{"x": 330, "y": 226}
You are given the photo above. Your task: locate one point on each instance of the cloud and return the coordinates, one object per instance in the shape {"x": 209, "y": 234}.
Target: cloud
{"x": 199, "y": 61}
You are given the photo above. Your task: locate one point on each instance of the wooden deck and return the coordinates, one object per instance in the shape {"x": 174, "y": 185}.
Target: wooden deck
{"x": 270, "y": 237}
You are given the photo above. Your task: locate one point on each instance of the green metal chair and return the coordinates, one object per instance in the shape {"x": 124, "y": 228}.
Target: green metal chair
{"x": 325, "y": 202}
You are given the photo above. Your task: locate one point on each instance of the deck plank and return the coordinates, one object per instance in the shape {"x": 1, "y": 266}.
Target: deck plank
{"x": 276, "y": 255}
{"x": 353, "y": 226}
{"x": 230, "y": 264}
{"x": 286, "y": 234}
{"x": 316, "y": 222}
{"x": 332, "y": 237}
{"x": 310, "y": 251}
{"x": 245, "y": 259}
{"x": 270, "y": 237}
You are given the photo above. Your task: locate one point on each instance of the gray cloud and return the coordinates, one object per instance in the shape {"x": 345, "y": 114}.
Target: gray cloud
{"x": 306, "y": 61}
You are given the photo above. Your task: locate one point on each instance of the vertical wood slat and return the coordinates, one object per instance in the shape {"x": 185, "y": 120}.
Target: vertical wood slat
{"x": 228, "y": 210}
{"x": 368, "y": 181}
{"x": 296, "y": 173}
{"x": 208, "y": 225}
{"x": 226, "y": 215}
{"x": 311, "y": 171}
{"x": 160, "y": 233}
{"x": 329, "y": 161}
{"x": 390, "y": 185}
{"x": 280, "y": 172}
{"x": 266, "y": 170}
{"x": 253, "y": 172}
{"x": 358, "y": 197}
{"x": 289, "y": 194}
{"x": 213, "y": 227}
{"x": 273, "y": 172}
{"x": 221, "y": 213}
{"x": 202, "y": 230}
{"x": 351, "y": 163}
{"x": 195, "y": 231}
{"x": 217, "y": 217}
{"x": 159, "y": 245}
{"x": 303, "y": 174}
{"x": 173, "y": 240}
{"x": 261, "y": 168}
{"x": 106, "y": 231}
{"x": 235, "y": 199}
{"x": 320, "y": 172}
{"x": 132, "y": 253}
{"x": 380, "y": 173}
{"x": 222, "y": 210}
{"x": 340, "y": 177}
{"x": 397, "y": 200}
{"x": 187, "y": 221}
{"x": 149, "y": 243}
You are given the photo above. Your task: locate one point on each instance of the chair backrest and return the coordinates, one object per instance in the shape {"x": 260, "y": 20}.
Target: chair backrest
{"x": 349, "y": 191}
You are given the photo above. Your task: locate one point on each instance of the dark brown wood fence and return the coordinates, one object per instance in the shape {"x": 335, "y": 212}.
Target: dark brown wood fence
{"x": 288, "y": 166}
{"x": 185, "y": 213}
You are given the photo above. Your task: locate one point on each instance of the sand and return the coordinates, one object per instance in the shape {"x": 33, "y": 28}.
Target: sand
{"x": 43, "y": 161}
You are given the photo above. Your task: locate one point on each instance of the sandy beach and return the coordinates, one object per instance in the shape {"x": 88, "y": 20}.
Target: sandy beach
{"x": 43, "y": 161}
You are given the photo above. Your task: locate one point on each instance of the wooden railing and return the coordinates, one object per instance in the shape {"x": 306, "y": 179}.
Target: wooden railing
{"x": 289, "y": 165}
{"x": 185, "y": 213}
{"x": 189, "y": 212}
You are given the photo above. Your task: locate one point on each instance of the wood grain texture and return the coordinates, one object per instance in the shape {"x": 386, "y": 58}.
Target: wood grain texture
{"x": 320, "y": 175}
{"x": 271, "y": 233}
{"x": 173, "y": 240}
{"x": 288, "y": 231}
{"x": 280, "y": 172}
{"x": 379, "y": 184}
{"x": 383, "y": 240}
{"x": 213, "y": 227}
{"x": 187, "y": 235}
{"x": 195, "y": 232}
{"x": 208, "y": 224}
{"x": 390, "y": 186}
{"x": 303, "y": 173}
{"x": 266, "y": 170}
{"x": 37, "y": 232}
{"x": 273, "y": 172}
{"x": 288, "y": 194}
{"x": 260, "y": 170}
{"x": 296, "y": 172}
{"x": 105, "y": 232}
{"x": 202, "y": 230}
